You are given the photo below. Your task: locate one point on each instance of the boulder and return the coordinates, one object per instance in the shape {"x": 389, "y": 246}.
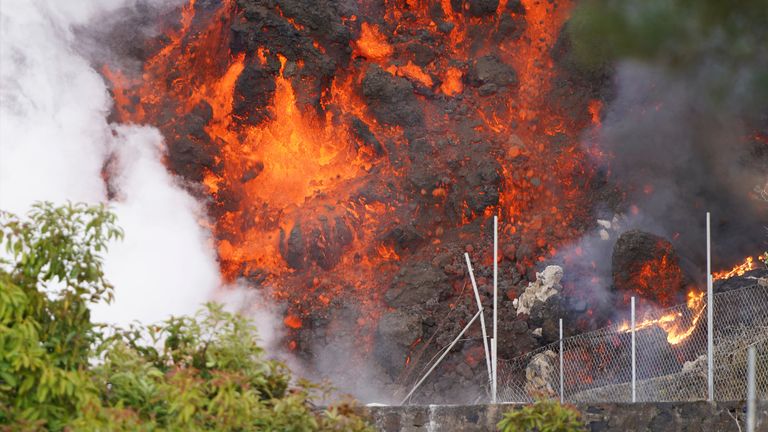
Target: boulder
{"x": 647, "y": 265}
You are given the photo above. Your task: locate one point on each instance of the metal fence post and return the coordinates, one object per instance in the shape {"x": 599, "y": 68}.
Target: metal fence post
{"x": 494, "y": 352}
{"x": 710, "y": 321}
{"x": 634, "y": 363}
{"x": 562, "y": 393}
{"x": 751, "y": 389}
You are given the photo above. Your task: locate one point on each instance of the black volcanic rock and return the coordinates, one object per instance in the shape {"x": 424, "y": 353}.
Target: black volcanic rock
{"x": 320, "y": 241}
{"x": 748, "y": 279}
{"x": 190, "y": 151}
{"x": 391, "y": 98}
{"x": 481, "y": 8}
{"x": 254, "y": 91}
{"x": 490, "y": 70}
{"x": 363, "y": 133}
{"x": 646, "y": 264}
{"x": 395, "y": 333}
{"x": 416, "y": 285}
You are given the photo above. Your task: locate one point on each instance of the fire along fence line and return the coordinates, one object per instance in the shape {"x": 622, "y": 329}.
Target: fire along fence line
{"x": 597, "y": 366}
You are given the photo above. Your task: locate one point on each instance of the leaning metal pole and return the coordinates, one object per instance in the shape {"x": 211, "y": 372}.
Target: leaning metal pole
{"x": 710, "y": 320}
{"x": 482, "y": 318}
{"x": 494, "y": 344}
{"x": 634, "y": 354}
{"x": 455, "y": 341}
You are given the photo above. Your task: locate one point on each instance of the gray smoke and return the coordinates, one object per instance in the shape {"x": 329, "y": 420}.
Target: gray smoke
{"x": 677, "y": 149}
{"x": 679, "y": 152}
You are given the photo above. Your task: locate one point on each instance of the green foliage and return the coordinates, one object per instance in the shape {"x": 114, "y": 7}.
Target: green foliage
{"x": 52, "y": 273}
{"x": 61, "y": 371}
{"x": 542, "y": 416}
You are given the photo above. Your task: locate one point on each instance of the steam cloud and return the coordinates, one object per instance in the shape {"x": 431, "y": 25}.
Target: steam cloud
{"x": 55, "y": 140}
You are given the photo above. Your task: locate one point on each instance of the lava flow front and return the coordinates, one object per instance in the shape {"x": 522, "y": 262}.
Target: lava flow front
{"x": 349, "y": 153}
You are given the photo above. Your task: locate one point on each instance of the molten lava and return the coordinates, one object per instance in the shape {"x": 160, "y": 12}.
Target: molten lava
{"x": 333, "y": 155}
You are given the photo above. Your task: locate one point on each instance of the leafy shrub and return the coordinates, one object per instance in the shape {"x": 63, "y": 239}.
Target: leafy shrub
{"x": 61, "y": 371}
{"x": 542, "y": 416}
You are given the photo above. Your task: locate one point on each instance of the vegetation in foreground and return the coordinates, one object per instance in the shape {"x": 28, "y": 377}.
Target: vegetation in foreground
{"x": 61, "y": 371}
{"x": 542, "y": 416}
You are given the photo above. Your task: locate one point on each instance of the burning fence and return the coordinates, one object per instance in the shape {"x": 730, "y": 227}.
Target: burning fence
{"x": 597, "y": 365}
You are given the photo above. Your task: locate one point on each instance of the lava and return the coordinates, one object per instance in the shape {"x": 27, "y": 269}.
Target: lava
{"x": 334, "y": 157}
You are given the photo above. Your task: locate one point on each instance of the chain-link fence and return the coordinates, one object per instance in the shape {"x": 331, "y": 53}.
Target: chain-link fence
{"x": 671, "y": 356}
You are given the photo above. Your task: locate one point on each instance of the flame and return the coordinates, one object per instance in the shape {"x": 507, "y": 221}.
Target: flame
{"x": 737, "y": 270}
{"x": 674, "y": 323}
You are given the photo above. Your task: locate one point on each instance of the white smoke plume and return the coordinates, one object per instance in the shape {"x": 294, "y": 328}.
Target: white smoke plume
{"x": 55, "y": 140}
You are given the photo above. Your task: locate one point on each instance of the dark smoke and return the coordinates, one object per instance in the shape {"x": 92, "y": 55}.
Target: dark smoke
{"x": 679, "y": 153}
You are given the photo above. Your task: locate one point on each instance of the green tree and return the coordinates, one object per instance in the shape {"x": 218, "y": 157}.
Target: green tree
{"x": 52, "y": 272}
{"x": 61, "y": 371}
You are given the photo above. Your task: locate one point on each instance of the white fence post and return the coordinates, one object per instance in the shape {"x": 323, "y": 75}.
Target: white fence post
{"x": 634, "y": 362}
{"x": 494, "y": 353}
{"x": 751, "y": 389}
{"x": 562, "y": 392}
{"x": 710, "y": 321}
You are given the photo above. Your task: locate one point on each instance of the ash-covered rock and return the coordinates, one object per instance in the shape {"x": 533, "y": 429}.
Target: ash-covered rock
{"x": 547, "y": 284}
{"x": 699, "y": 364}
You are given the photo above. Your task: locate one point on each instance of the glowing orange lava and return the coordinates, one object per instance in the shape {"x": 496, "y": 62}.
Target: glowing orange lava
{"x": 308, "y": 188}
{"x": 372, "y": 44}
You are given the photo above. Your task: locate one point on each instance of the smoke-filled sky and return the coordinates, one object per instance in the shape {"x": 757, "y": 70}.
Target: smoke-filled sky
{"x": 55, "y": 139}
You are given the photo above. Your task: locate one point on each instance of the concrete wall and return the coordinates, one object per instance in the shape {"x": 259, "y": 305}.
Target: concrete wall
{"x": 614, "y": 417}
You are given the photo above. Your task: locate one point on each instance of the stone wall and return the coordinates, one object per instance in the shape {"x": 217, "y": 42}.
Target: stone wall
{"x": 609, "y": 417}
